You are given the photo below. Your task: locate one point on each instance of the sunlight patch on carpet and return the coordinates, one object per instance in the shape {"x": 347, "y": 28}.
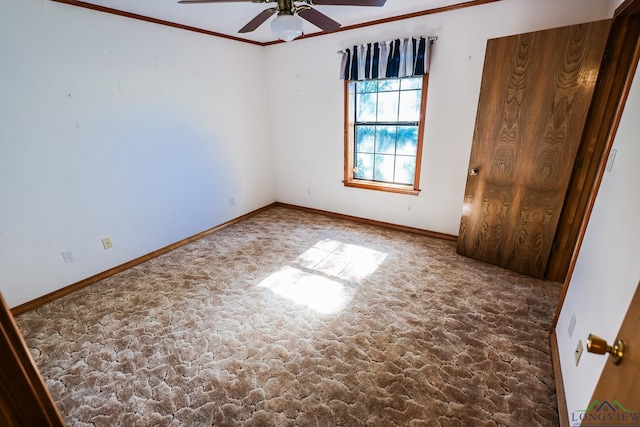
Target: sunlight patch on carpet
{"x": 317, "y": 277}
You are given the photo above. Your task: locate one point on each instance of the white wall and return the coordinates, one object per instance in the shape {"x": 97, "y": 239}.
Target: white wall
{"x": 116, "y": 127}
{"x": 307, "y": 107}
{"x": 607, "y": 270}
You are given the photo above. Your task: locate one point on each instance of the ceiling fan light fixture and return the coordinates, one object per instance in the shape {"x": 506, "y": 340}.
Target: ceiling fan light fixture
{"x": 287, "y": 27}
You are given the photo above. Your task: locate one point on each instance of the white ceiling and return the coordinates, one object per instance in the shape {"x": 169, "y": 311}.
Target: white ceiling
{"x": 228, "y": 18}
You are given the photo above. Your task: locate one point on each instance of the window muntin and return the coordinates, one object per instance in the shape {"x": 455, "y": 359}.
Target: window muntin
{"x": 384, "y": 133}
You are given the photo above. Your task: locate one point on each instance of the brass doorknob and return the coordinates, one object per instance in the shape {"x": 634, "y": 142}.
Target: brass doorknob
{"x": 597, "y": 345}
{"x": 474, "y": 171}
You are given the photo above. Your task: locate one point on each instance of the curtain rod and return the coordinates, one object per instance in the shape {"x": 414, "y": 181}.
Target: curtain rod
{"x": 430, "y": 39}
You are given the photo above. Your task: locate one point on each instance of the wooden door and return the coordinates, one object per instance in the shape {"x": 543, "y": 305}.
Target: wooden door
{"x": 24, "y": 397}
{"x": 535, "y": 94}
{"x": 618, "y": 389}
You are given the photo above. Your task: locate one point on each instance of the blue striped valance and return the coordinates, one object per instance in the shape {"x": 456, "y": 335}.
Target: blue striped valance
{"x": 394, "y": 58}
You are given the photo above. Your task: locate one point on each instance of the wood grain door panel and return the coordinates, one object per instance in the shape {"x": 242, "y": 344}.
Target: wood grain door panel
{"x": 535, "y": 94}
{"x": 620, "y": 382}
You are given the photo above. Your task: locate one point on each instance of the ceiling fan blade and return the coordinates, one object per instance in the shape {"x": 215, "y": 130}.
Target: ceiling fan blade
{"x": 258, "y": 20}
{"x": 218, "y": 1}
{"x": 377, "y": 3}
{"x": 319, "y": 19}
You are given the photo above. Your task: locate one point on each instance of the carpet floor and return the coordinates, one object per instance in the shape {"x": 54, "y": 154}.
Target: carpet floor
{"x": 295, "y": 319}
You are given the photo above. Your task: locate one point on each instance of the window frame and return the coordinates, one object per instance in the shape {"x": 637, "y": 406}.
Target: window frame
{"x": 349, "y": 146}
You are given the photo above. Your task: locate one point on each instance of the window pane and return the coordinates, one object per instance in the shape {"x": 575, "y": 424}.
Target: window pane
{"x": 365, "y": 137}
{"x": 411, "y": 83}
{"x": 386, "y": 139}
{"x": 388, "y": 106}
{"x": 410, "y": 106}
{"x": 366, "y": 107}
{"x": 384, "y": 143}
{"x": 405, "y": 169}
{"x": 384, "y": 167}
{"x": 407, "y": 140}
{"x": 363, "y": 166}
{"x": 390, "y": 84}
{"x": 367, "y": 86}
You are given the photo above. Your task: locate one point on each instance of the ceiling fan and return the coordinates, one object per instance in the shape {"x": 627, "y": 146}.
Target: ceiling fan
{"x": 288, "y": 25}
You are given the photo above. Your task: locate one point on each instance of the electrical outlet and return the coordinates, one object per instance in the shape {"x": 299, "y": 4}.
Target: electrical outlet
{"x": 232, "y": 201}
{"x": 578, "y": 352}
{"x": 67, "y": 255}
{"x": 106, "y": 243}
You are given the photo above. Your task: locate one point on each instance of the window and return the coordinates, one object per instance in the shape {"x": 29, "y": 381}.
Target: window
{"x": 383, "y": 133}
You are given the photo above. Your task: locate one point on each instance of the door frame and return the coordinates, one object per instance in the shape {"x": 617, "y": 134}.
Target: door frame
{"x": 24, "y": 397}
{"x": 610, "y": 94}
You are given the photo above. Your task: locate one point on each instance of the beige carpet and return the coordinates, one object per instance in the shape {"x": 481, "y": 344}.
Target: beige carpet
{"x": 290, "y": 318}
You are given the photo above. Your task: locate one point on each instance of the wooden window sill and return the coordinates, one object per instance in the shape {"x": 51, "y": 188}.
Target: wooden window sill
{"x": 382, "y": 186}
